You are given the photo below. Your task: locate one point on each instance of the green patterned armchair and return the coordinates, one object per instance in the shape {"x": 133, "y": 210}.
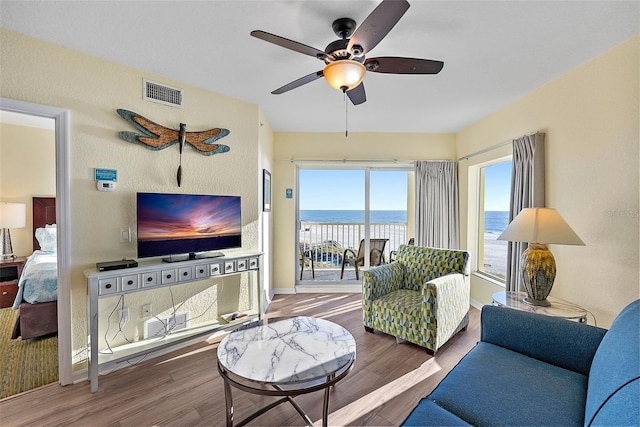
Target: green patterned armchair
{"x": 422, "y": 297}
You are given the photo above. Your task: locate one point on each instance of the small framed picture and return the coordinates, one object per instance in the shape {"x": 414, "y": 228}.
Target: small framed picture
{"x": 266, "y": 190}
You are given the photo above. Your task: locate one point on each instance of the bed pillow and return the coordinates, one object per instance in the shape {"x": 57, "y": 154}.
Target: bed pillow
{"x": 47, "y": 239}
{"x": 49, "y": 226}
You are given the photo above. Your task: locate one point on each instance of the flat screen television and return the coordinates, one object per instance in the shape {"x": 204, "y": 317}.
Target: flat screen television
{"x": 192, "y": 225}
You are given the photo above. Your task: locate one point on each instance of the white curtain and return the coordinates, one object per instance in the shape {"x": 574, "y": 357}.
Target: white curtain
{"x": 527, "y": 191}
{"x": 437, "y": 221}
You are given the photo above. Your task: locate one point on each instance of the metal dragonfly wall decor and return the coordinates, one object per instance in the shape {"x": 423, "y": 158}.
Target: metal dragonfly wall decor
{"x": 157, "y": 137}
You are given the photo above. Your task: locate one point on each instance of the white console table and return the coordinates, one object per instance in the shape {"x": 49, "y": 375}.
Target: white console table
{"x": 157, "y": 274}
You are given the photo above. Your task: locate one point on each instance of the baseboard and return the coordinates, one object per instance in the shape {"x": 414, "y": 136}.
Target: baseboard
{"x": 282, "y": 291}
{"x": 476, "y": 304}
{"x": 329, "y": 288}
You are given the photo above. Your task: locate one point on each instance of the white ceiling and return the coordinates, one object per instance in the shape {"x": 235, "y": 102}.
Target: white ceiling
{"x": 494, "y": 52}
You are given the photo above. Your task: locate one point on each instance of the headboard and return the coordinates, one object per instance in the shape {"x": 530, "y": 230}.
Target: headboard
{"x": 44, "y": 212}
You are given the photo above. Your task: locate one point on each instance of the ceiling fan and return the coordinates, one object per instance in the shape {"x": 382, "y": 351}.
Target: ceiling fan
{"x": 345, "y": 62}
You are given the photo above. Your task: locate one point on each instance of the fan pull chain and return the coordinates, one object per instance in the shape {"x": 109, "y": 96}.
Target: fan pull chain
{"x": 346, "y": 114}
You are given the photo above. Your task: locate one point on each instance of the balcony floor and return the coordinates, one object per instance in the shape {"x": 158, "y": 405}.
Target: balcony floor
{"x": 330, "y": 274}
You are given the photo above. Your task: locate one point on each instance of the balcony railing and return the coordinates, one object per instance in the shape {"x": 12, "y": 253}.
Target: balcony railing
{"x": 325, "y": 242}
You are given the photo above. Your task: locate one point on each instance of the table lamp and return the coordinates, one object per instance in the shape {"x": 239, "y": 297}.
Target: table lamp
{"x": 539, "y": 227}
{"x": 12, "y": 215}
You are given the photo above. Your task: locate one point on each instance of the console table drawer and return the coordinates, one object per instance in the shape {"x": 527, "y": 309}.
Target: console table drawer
{"x": 216, "y": 269}
{"x": 149, "y": 279}
{"x": 129, "y": 282}
{"x": 185, "y": 273}
{"x": 108, "y": 286}
{"x": 229, "y": 267}
{"x": 202, "y": 271}
{"x": 169, "y": 276}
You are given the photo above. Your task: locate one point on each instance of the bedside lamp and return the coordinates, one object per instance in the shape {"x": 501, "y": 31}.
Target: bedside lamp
{"x": 12, "y": 215}
{"x": 539, "y": 227}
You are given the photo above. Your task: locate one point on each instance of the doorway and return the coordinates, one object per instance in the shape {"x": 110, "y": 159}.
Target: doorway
{"x": 61, "y": 119}
{"x": 347, "y": 212}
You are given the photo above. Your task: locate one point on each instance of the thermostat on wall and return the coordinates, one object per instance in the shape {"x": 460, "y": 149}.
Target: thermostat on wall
{"x": 106, "y": 185}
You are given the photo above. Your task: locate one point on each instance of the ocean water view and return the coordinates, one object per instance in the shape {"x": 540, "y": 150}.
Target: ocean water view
{"x": 346, "y": 216}
{"x": 494, "y": 221}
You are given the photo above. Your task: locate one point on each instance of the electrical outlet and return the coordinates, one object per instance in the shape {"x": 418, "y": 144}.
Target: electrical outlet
{"x": 146, "y": 310}
{"x": 124, "y": 315}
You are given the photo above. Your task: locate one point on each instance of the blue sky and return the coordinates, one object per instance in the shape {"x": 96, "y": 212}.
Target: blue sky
{"x": 341, "y": 189}
{"x": 497, "y": 183}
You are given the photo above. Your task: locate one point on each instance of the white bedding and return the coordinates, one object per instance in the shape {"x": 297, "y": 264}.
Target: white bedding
{"x": 39, "y": 279}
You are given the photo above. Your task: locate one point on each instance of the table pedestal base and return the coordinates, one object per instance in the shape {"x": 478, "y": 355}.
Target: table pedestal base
{"x": 286, "y": 395}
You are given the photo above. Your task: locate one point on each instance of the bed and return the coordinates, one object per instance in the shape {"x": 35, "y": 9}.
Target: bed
{"x": 38, "y": 285}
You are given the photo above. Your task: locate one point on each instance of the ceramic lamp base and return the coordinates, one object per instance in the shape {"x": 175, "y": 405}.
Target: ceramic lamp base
{"x": 7, "y": 249}
{"x": 531, "y": 301}
{"x": 538, "y": 271}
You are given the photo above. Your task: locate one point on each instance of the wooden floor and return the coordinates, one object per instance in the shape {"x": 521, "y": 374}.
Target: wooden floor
{"x": 184, "y": 389}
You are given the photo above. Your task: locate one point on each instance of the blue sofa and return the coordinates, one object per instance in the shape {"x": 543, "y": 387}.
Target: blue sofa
{"x": 530, "y": 369}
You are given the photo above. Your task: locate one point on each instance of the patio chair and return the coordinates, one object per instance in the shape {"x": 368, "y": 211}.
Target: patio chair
{"x": 376, "y": 256}
{"x": 302, "y": 256}
{"x": 393, "y": 254}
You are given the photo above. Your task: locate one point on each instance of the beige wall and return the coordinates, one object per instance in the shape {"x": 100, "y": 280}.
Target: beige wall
{"x": 334, "y": 146}
{"x": 27, "y": 169}
{"x": 591, "y": 119}
{"x": 266, "y": 226}
{"x": 92, "y": 89}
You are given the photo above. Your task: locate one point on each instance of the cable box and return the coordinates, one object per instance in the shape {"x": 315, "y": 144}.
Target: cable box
{"x": 116, "y": 265}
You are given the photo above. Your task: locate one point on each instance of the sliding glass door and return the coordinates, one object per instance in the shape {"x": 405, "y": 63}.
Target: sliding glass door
{"x": 343, "y": 215}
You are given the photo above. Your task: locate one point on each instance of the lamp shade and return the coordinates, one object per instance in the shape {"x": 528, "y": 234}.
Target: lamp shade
{"x": 12, "y": 215}
{"x": 344, "y": 74}
{"x": 540, "y": 225}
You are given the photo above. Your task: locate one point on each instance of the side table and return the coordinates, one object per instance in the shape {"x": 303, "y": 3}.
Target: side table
{"x": 10, "y": 272}
{"x": 558, "y": 307}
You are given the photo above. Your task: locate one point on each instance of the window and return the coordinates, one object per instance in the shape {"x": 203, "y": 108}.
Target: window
{"x": 340, "y": 207}
{"x": 494, "y": 187}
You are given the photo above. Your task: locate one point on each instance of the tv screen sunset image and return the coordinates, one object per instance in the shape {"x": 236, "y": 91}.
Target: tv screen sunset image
{"x": 185, "y": 223}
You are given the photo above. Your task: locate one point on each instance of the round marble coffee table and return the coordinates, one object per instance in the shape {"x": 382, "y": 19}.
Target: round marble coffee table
{"x": 286, "y": 358}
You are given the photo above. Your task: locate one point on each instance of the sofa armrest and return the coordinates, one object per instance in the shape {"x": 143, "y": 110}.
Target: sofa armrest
{"x": 561, "y": 342}
{"x": 381, "y": 280}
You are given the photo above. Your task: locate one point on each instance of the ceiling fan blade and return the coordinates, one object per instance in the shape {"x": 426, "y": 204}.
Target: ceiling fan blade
{"x": 357, "y": 95}
{"x": 378, "y": 24}
{"x": 297, "y": 83}
{"x": 398, "y": 65}
{"x": 289, "y": 44}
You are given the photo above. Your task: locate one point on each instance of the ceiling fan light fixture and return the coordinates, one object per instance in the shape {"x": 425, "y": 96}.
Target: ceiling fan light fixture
{"x": 344, "y": 74}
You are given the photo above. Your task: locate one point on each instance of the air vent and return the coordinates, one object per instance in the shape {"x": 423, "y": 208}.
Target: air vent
{"x": 162, "y": 94}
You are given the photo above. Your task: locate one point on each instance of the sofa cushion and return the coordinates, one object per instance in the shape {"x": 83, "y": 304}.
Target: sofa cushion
{"x": 429, "y": 413}
{"x": 495, "y": 386}
{"x": 569, "y": 345}
{"x": 614, "y": 380}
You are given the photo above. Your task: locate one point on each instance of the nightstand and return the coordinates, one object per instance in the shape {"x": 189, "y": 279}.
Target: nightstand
{"x": 10, "y": 271}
